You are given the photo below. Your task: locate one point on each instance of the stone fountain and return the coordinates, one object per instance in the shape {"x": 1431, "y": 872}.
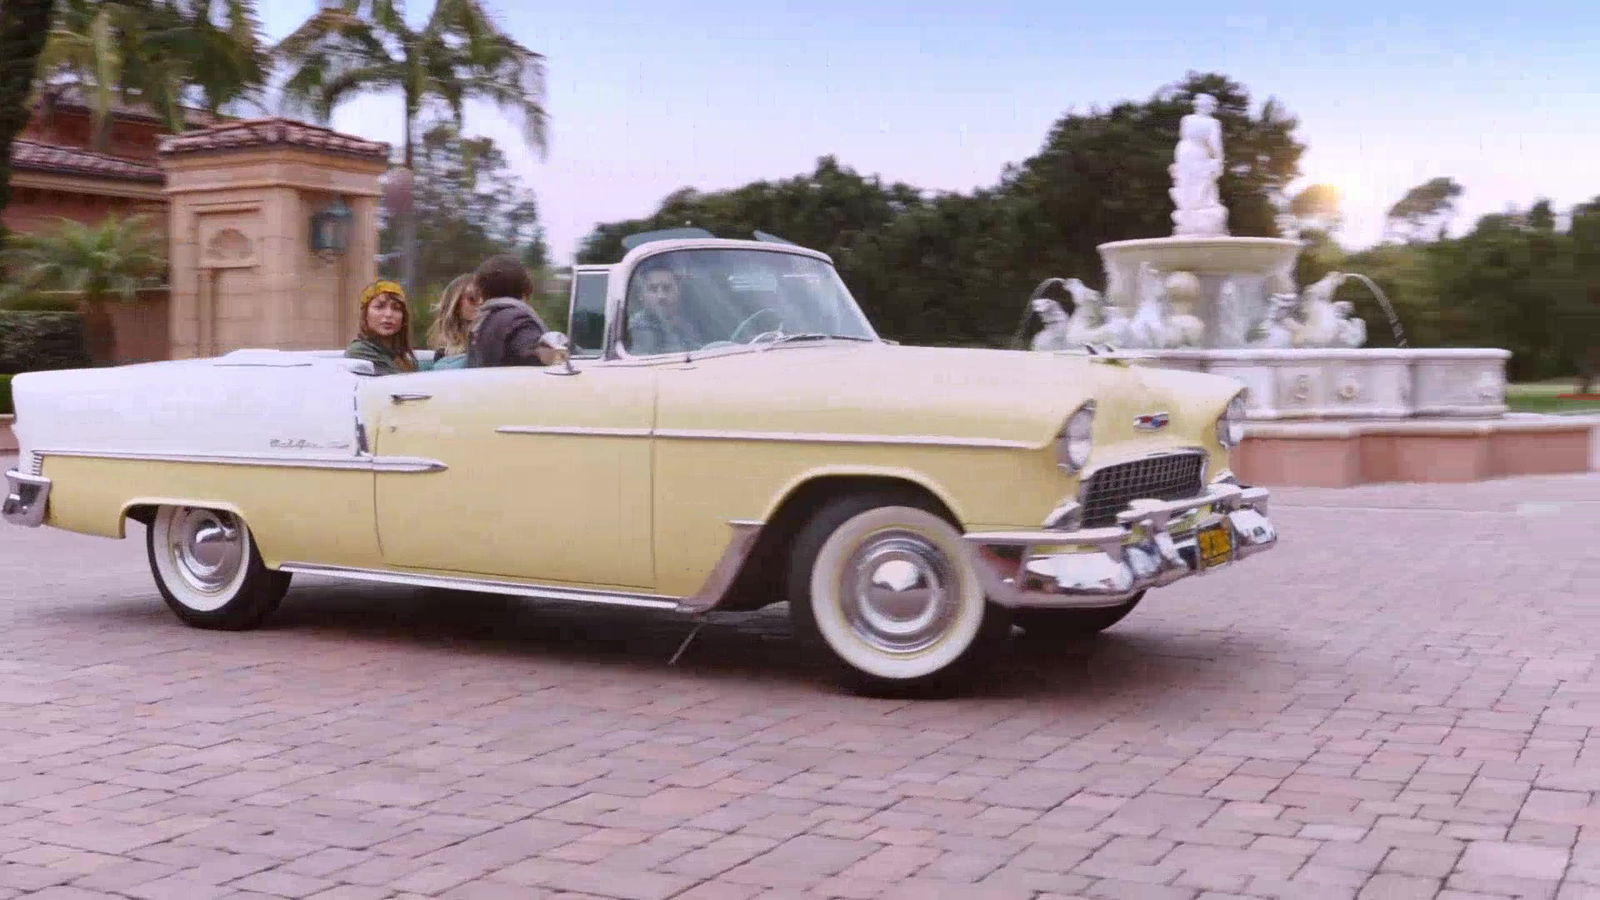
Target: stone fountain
{"x": 1203, "y": 300}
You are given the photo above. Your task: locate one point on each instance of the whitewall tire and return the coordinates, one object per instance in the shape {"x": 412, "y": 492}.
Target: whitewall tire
{"x": 208, "y": 570}
{"x": 884, "y": 584}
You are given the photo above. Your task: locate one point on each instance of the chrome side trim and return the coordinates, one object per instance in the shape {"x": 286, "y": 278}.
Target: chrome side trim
{"x": 793, "y": 437}
{"x": 801, "y": 437}
{"x": 360, "y": 463}
{"x": 716, "y": 585}
{"x": 484, "y": 585}
{"x": 574, "y": 430}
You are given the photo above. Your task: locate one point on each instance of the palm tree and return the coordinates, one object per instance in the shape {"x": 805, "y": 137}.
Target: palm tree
{"x": 207, "y": 52}
{"x": 84, "y": 49}
{"x": 23, "y": 24}
{"x": 358, "y": 46}
{"x": 112, "y": 259}
{"x": 161, "y": 53}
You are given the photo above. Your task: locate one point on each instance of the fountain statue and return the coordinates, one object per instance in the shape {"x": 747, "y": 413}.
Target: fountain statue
{"x": 1196, "y": 165}
{"x": 1053, "y": 335}
{"x": 1205, "y": 300}
{"x": 1088, "y": 324}
{"x": 1324, "y": 323}
{"x": 1184, "y": 328}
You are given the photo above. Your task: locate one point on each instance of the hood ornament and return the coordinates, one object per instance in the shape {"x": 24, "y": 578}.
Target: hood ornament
{"x": 1152, "y": 421}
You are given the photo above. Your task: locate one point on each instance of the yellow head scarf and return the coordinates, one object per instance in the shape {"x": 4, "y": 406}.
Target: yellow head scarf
{"x": 382, "y": 287}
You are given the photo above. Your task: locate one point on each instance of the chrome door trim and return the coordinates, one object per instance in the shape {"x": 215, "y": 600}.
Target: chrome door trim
{"x": 803, "y": 437}
{"x": 362, "y": 463}
{"x": 485, "y": 585}
{"x": 710, "y": 594}
{"x": 574, "y": 430}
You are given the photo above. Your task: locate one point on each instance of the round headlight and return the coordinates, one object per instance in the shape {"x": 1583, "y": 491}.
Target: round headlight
{"x": 1076, "y": 439}
{"x": 1230, "y": 428}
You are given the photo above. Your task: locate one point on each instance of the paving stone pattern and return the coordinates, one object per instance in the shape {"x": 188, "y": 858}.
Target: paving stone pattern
{"x": 1402, "y": 701}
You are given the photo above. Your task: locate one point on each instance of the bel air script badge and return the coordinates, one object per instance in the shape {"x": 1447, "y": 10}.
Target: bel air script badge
{"x": 1151, "y": 421}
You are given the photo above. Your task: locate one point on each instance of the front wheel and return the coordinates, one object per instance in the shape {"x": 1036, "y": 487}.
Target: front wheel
{"x": 1053, "y": 624}
{"x": 882, "y": 582}
{"x": 208, "y": 570}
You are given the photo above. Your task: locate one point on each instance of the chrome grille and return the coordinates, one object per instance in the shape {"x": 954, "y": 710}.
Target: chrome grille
{"x": 1170, "y": 476}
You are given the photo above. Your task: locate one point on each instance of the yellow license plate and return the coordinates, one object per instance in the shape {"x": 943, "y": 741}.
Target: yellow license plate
{"x": 1216, "y": 546}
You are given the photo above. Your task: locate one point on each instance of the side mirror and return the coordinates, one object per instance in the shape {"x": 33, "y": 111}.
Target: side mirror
{"x": 556, "y": 349}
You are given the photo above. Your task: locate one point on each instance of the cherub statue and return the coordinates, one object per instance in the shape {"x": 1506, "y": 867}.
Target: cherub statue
{"x": 1352, "y": 331}
{"x": 1088, "y": 311}
{"x": 1277, "y": 331}
{"x": 1184, "y": 328}
{"x": 1320, "y": 320}
{"x": 1148, "y": 326}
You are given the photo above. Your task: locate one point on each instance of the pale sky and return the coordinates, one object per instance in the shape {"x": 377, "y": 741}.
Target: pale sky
{"x": 646, "y": 98}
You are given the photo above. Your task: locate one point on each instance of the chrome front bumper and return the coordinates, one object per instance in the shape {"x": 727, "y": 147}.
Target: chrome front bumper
{"x": 26, "y": 497}
{"x": 1154, "y": 543}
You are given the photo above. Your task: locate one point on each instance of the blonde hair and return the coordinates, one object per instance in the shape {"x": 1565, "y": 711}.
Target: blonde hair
{"x": 449, "y": 333}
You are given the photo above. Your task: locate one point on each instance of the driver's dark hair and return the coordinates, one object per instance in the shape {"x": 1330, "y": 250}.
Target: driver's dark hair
{"x": 504, "y": 276}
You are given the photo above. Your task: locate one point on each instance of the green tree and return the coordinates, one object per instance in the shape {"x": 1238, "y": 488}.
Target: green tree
{"x": 1103, "y": 175}
{"x": 208, "y": 53}
{"x": 113, "y": 258}
{"x": 477, "y": 207}
{"x": 831, "y": 209}
{"x": 1578, "y": 309}
{"x": 110, "y": 260}
{"x": 23, "y": 26}
{"x": 357, "y": 46}
{"x": 163, "y": 54}
{"x": 1425, "y": 210}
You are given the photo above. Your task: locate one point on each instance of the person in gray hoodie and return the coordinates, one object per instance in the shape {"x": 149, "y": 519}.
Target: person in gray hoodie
{"x": 506, "y": 331}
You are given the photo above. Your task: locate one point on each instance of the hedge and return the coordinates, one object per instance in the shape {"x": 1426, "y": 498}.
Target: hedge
{"x": 5, "y": 396}
{"x": 31, "y": 341}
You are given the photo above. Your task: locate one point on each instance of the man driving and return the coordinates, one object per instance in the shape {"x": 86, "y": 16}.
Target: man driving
{"x": 657, "y": 319}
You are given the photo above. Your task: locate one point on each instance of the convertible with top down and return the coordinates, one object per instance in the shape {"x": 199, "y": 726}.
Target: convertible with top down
{"x": 910, "y": 504}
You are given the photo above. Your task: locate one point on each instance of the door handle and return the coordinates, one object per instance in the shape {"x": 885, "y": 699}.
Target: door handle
{"x": 402, "y": 398}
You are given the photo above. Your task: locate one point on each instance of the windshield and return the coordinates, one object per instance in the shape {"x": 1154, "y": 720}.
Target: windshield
{"x": 687, "y": 300}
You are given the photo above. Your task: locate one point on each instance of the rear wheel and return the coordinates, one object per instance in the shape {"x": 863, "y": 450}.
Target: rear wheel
{"x": 1068, "y": 623}
{"x": 208, "y": 570}
{"x": 881, "y": 581}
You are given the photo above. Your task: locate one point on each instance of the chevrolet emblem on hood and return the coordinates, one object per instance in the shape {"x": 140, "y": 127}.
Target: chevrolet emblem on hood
{"x": 1151, "y": 421}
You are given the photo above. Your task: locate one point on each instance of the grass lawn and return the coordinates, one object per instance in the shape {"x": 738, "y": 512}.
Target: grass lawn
{"x": 1544, "y": 397}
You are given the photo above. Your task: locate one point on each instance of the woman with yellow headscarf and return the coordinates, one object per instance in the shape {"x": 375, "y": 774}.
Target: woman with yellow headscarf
{"x": 383, "y": 336}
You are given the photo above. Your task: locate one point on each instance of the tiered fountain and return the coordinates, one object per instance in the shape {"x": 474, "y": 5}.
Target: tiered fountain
{"x": 1324, "y": 409}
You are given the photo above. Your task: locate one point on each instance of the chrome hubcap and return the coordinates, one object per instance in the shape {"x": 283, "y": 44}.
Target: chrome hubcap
{"x": 208, "y": 547}
{"x": 898, "y": 595}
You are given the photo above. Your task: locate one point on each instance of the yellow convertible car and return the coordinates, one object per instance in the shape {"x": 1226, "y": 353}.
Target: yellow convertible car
{"x": 730, "y": 432}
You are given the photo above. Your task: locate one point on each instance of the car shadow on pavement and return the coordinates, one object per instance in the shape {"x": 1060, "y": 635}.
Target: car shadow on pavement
{"x": 1135, "y": 657}
{"x": 1138, "y": 659}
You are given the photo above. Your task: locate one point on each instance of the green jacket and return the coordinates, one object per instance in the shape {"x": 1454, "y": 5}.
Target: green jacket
{"x": 383, "y": 362}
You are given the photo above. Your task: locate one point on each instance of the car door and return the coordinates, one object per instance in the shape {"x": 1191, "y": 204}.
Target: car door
{"x": 547, "y": 475}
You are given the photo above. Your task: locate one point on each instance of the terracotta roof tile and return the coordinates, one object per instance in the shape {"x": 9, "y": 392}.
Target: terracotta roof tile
{"x": 40, "y": 157}
{"x": 252, "y": 133}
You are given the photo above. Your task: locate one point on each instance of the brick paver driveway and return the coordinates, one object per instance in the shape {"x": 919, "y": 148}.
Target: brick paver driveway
{"x": 1401, "y": 701}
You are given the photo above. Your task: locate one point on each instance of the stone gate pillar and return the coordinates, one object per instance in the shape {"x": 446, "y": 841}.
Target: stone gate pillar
{"x": 243, "y": 271}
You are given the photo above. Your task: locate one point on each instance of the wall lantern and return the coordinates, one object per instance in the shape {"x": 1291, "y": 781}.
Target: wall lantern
{"x": 330, "y": 228}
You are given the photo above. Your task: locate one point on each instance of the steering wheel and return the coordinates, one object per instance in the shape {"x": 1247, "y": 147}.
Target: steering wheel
{"x": 751, "y": 318}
